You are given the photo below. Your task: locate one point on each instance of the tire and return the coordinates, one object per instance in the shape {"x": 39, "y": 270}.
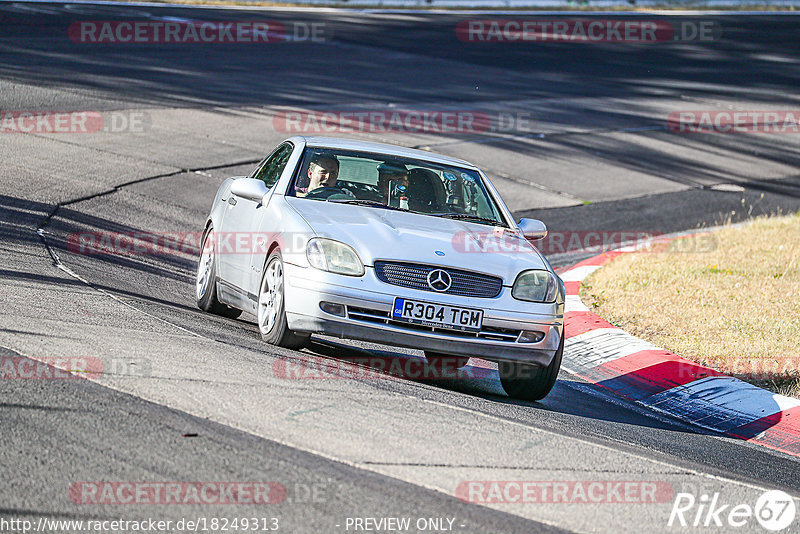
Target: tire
{"x": 206, "y": 282}
{"x": 271, "y": 307}
{"x": 439, "y": 360}
{"x": 530, "y": 382}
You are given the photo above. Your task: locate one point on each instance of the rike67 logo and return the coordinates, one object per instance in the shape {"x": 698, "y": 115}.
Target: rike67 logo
{"x": 774, "y": 510}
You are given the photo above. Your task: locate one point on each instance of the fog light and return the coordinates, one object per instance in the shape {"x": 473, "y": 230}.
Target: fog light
{"x": 531, "y": 336}
{"x": 332, "y": 308}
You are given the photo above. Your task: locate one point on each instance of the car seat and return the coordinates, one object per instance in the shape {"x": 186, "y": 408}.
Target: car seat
{"x": 425, "y": 191}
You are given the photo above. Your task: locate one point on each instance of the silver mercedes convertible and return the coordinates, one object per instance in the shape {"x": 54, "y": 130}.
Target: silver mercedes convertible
{"x": 385, "y": 244}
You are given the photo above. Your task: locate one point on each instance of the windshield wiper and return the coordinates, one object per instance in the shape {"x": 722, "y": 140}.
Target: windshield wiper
{"x": 467, "y": 217}
{"x": 365, "y": 202}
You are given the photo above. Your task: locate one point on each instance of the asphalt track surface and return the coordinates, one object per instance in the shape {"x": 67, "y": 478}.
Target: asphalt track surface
{"x": 191, "y": 397}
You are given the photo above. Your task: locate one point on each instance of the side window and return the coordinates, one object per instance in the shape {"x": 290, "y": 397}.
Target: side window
{"x": 272, "y": 168}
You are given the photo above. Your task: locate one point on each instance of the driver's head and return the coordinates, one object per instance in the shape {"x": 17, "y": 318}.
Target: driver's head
{"x": 323, "y": 171}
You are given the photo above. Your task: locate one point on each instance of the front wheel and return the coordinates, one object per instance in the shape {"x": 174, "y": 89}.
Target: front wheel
{"x": 271, "y": 307}
{"x": 530, "y": 382}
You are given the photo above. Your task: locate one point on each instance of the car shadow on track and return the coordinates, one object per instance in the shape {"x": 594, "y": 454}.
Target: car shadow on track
{"x": 326, "y": 358}
{"x": 386, "y": 364}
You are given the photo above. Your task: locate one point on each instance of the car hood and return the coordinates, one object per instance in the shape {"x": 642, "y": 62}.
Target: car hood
{"x": 378, "y": 233}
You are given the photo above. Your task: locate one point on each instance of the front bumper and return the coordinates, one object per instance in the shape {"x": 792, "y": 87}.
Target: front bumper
{"x": 368, "y": 303}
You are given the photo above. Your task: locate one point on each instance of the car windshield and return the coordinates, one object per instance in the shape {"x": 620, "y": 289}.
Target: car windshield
{"x": 391, "y": 182}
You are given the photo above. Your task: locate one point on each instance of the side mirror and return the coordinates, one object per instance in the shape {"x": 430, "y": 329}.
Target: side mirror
{"x": 532, "y": 229}
{"x": 249, "y": 188}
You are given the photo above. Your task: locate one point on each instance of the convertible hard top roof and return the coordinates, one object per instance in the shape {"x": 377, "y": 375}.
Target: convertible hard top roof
{"x": 382, "y": 148}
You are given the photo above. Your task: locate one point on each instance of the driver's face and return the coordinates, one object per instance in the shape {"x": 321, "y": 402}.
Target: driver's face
{"x": 322, "y": 174}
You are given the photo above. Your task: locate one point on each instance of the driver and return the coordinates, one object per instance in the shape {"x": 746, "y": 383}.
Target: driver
{"x": 323, "y": 171}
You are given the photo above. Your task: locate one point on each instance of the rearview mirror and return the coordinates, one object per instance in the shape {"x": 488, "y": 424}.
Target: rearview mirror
{"x": 532, "y": 229}
{"x": 249, "y": 188}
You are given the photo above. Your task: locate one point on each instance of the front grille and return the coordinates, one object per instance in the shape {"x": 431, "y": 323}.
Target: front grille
{"x": 382, "y": 317}
{"x": 415, "y": 276}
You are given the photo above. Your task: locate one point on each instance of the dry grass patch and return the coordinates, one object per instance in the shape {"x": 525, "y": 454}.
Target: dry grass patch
{"x": 735, "y": 308}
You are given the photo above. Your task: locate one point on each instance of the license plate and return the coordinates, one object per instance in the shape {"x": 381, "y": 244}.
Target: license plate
{"x": 439, "y": 315}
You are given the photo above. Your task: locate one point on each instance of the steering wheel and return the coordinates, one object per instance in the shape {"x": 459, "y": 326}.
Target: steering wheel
{"x": 325, "y": 192}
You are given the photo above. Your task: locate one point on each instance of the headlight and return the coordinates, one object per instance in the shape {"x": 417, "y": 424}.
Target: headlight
{"x": 535, "y": 286}
{"x": 332, "y": 256}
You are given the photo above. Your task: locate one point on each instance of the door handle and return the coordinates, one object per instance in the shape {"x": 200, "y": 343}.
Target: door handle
{"x": 232, "y": 200}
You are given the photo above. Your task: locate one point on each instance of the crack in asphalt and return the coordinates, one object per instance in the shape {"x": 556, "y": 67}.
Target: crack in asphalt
{"x": 40, "y": 231}
{"x": 118, "y": 187}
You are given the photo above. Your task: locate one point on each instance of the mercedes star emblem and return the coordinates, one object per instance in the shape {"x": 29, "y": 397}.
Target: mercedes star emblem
{"x": 439, "y": 280}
